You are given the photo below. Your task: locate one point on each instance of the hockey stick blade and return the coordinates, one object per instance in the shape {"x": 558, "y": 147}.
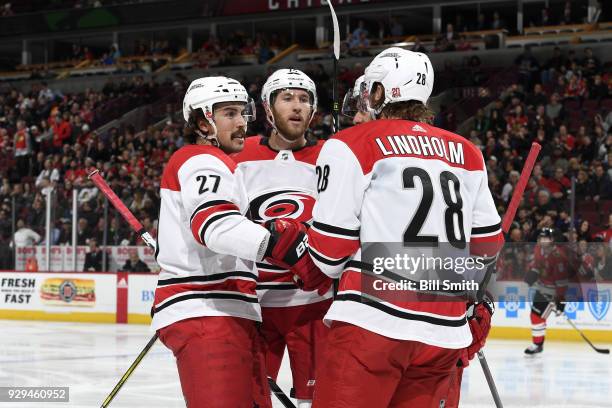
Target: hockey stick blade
{"x": 597, "y": 349}
{"x": 336, "y": 30}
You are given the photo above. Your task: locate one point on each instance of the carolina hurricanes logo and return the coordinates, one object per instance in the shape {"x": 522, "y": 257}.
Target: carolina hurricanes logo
{"x": 284, "y": 203}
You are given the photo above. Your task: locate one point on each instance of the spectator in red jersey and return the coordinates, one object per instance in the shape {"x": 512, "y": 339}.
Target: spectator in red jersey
{"x": 567, "y": 140}
{"x": 75, "y": 174}
{"x": 606, "y": 235}
{"x": 576, "y": 88}
{"x": 559, "y": 185}
{"x": 61, "y": 132}
{"x": 22, "y": 149}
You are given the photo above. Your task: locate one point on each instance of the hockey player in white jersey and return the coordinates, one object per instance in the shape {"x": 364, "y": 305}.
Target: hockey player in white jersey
{"x": 281, "y": 181}
{"x": 396, "y": 179}
{"x": 206, "y": 305}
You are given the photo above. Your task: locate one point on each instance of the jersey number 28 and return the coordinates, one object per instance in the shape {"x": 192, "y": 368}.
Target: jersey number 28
{"x": 454, "y": 208}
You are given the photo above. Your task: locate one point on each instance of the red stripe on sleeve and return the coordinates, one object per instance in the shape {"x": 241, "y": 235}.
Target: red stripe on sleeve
{"x": 200, "y": 218}
{"x": 332, "y": 247}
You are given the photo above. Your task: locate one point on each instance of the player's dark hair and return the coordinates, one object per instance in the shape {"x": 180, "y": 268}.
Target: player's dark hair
{"x": 415, "y": 111}
{"x": 189, "y": 132}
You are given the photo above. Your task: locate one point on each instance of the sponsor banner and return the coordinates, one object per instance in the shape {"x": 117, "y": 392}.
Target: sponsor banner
{"x": 514, "y": 306}
{"x": 141, "y": 291}
{"x": 58, "y": 292}
{"x": 61, "y": 257}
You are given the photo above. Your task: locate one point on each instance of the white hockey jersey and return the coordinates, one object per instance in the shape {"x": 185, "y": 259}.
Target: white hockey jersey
{"x": 396, "y": 181}
{"x": 206, "y": 247}
{"x": 279, "y": 184}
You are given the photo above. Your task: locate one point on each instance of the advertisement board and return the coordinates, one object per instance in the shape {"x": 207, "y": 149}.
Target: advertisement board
{"x": 58, "y": 296}
{"x": 511, "y": 319}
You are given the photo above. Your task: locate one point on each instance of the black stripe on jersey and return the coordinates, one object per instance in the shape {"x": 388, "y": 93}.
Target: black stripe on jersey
{"x": 280, "y": 286}
{"x": 207, "y": 205}
{"x": 207, "y": 278}
{"x": 335, "y": 230}
{"x": 326, "y": 260}
{"x": 212, "y": 219}
{"x": 261, "y": 265}
{"x": 486, "y": 230}
{"x": 228, "y": 296}
{"x": 351, "y": 297}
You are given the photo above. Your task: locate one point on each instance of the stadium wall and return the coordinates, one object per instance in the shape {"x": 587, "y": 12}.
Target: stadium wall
{"x": 127, "y": 298}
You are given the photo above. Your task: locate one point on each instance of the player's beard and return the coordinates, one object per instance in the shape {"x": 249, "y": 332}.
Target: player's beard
{"x": 291, "y": 133}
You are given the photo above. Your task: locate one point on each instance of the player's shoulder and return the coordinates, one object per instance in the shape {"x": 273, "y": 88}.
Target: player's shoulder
{"x": 310, "y": 152}
{"x": 365, "y": 139}
{"x": 254, "y": 149}
{"x": 204, "y": 154}
{"x": 257, "y": 148}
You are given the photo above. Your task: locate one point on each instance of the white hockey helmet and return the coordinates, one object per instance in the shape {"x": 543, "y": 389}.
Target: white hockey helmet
{"x": 405, "y": 75}
{"x": 204, "y": 93}
{"x": 352, "y": 102}
{"x": 288, "y": 79}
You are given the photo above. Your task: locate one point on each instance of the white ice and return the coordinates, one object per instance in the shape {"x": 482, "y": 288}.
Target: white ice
{"x": 90, "y": 358}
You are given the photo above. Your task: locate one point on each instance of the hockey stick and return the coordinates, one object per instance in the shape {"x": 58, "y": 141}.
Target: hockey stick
{"x": 99, "y": 182}
{"x": 599, "y": 350}
{"x": 336, "y": 108}
{"x": 517, "y": 196}
{"x": 282, "y": 397}
{"x": 129, "y": 371}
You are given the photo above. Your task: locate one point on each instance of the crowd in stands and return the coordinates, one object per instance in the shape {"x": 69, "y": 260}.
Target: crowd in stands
{"x": 48, "y": 142}
{"x": 565, "y": 104}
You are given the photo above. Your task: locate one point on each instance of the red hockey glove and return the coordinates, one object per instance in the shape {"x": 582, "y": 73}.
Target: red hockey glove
{"x": 480, "y": 324}
{"x": 288, "y": 248}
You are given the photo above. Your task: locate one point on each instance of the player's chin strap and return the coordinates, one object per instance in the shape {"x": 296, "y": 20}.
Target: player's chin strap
{"x": 212, "y": 139}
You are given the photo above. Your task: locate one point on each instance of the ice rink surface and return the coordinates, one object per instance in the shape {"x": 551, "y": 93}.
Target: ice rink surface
{"x": 90, "y": 358}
